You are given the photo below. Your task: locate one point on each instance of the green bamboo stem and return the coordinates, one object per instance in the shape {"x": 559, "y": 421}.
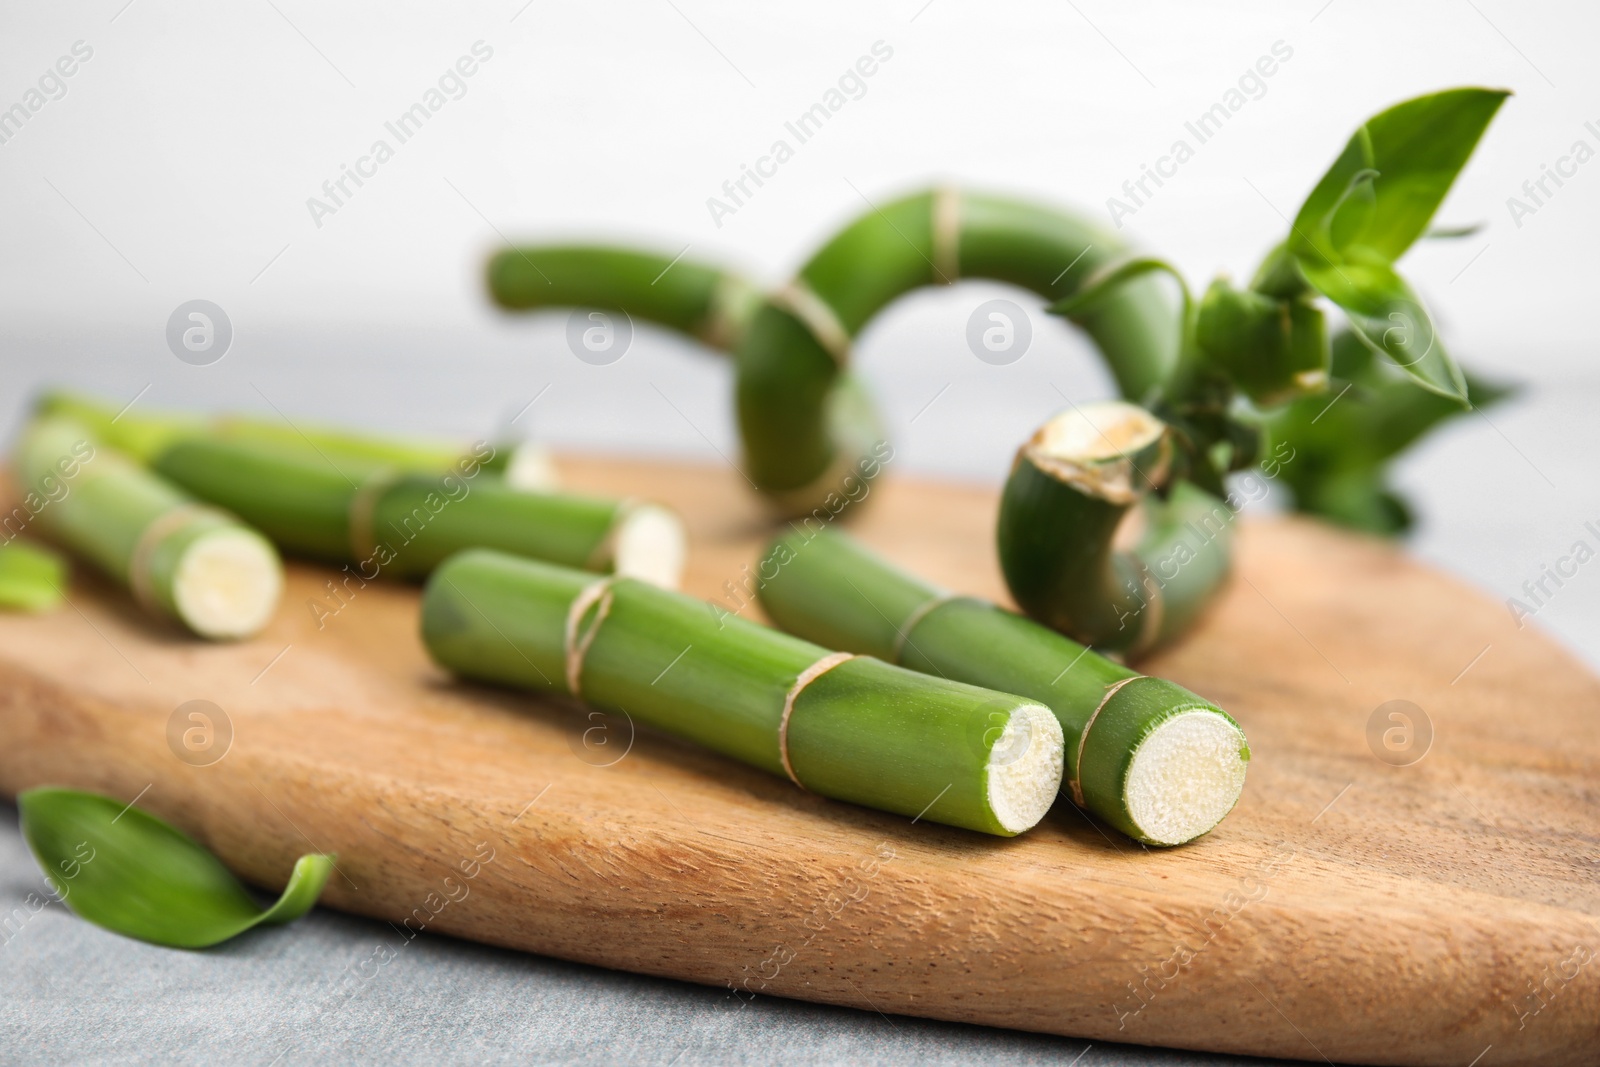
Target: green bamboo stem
{"x": 1071, "y": 488}
{"x": 180, "y": 559}
{"x": 144, "y": 436}
{"x": 853, "y": 729}
{"x": 680, "y": 294}
{"x": 375, "y": 519}
{"x": 801, "y": 428}
{"x": 1149, "y": 757}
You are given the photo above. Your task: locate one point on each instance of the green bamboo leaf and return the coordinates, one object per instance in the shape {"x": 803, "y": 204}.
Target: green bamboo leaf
{"x": 1389, "y": 317}
{"x": 1354, "y": 211}
{"x": 1100, "y": 285}
{"x": 1339, "y": 445}
{"x": 1450, "y": 233}
{"x": 1309, "y": 237}
{"x": 1417, "y": 148}
{"x": 130, "y": 872}
{"x": 31, "y": 577}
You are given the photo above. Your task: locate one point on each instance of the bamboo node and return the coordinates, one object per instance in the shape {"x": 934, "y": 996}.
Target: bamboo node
{"x": 798, "y": 299}
{"x": 805, "y": 678}
{"x": 902, "y": 635}
{"x": 363, "y": 511}
{"x": 733, "y": 301}
{"x": 946, "y": 233}
{"x": 140, "y": 580}
{"x": 1083, "y": 738}
{"x": 575, "y": 646}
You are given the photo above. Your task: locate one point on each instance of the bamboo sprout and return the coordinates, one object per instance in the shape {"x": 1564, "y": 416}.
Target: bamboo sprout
{"x": 179, "y": 558}
{"x": 404, "y": 524}
{"x": 1149, "y": 757}
{"x": 850, "y": 728}
{"x": 1071, "y": 487}
{"x": 145, "y": 437}
{"x": 802, "y": 424}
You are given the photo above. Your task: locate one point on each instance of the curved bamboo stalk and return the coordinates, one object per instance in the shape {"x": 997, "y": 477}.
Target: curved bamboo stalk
{"x": 1071, "y": 487}
{"x": 801, "y": 419}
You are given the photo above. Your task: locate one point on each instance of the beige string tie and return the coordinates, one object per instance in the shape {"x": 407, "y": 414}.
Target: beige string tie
{"x": 575, "y": 645}
{"x": 140, "y": 578}
{"x": 902, "y": 636}
{"x": 946, "y": 234}
{"x": 1083, "y": 738}
{"x": 798, "y": 299}
{"x": 732, "y": 300}
{"x": 363, "y": 511}
{"x": 806, "y": 677}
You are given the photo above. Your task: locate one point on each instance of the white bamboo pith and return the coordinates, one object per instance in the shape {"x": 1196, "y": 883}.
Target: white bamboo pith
{"x": 140, "y": 580}
{"x": 1022, "y": 788}
{"x": 1185, "y": 776}
{"x": 1075, "y": 450}
{"x": 532, "y": 468}
{"x": 645, "y": 541}
{"x": 227, "y": 584}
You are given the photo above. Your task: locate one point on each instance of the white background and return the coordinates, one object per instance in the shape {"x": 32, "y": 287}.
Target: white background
{"x": 179, "y": 162}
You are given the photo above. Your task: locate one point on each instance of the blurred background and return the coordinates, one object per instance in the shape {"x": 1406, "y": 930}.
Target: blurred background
{"x": 179, "y": 159}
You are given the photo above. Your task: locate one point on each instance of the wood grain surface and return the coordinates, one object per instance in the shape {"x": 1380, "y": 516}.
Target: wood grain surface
{"x": 1350, "y": 909}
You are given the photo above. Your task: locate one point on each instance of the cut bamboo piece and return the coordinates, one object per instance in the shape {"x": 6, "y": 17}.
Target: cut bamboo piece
{"x": 145, "y": 437}
{"x": 847, "y": 727}
{"x": 179, "y": 557}
{"x": 32, "y": 577}
{"x": 1149, "y": 757}
{"x": 1071, "y": 487}
{"x": 380, "y": 521}
{"x": 803, "y": 425}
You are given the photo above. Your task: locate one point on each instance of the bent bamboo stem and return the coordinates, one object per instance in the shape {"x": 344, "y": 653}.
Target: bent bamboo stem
{"x": 802, "y": 422}
{"x": 1070, "y": 489}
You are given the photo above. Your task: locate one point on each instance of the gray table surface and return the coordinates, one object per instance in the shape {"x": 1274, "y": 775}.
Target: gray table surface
{"x": 71, "y": 993}
{"x": 179, "y": 165}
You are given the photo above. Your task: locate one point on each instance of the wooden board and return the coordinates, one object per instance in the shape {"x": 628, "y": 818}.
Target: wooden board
{"x": 1348, "y": 909}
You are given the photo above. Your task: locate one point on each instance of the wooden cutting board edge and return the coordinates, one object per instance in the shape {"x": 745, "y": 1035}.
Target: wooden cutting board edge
{"x": 659, "y": 898}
